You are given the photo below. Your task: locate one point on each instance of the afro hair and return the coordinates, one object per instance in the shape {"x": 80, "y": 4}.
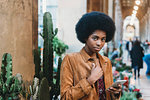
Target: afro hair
{"x": 93, "y": 21}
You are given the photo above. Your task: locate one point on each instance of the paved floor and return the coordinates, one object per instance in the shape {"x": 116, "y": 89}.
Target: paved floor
{"x": 143, "y": 83}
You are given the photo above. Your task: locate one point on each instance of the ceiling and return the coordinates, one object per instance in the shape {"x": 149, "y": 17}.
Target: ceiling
{"x": 127, "y": 8}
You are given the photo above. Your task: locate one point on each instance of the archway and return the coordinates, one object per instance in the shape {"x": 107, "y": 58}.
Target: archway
{"x": 130, "y": 31}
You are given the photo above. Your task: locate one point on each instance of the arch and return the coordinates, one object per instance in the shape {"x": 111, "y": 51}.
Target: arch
{"x": 130, "y": 31}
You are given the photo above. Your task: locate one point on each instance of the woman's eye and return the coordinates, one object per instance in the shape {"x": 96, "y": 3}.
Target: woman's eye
{"x": 95, "y": 38}
{"x": 103, "y": 39}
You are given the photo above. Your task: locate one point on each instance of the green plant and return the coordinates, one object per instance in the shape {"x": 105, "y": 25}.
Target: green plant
{"x": 51, "y": 44}
{"x": 128, "y": 96}
{"x": 37, "y": 62}
{"x": 48, "y": 36}
{"x": 59, "y": 46}
{"x": 26, "y": 93}
{"x": 44, "y": 90}
{"x": 10, "y": 86}
{"x": 123, "y": 68}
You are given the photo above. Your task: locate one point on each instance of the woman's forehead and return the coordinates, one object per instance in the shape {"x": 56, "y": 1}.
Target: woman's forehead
{"x": 98, "y": 33}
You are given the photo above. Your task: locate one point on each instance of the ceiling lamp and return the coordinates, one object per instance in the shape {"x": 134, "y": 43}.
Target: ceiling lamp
{"x": 134, "y": 12}
{"x": 136, "y": 7}
{"x": 133, "y": 15}
{"x": 137, "y": 2}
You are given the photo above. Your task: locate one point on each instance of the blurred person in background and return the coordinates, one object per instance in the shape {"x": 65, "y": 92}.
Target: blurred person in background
{"x": 129, "y": 47}
{"x": 146, "y": 46}
{"x": 137, "y": 53}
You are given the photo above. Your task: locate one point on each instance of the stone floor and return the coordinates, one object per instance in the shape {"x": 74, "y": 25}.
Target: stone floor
{"x": 143, "y": 83}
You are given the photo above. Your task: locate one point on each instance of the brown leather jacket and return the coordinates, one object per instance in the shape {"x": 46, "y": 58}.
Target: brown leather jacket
{"x": 75, "y": 68}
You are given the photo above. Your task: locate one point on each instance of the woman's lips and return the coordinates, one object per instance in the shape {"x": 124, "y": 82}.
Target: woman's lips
{"x": 97, "y": 49}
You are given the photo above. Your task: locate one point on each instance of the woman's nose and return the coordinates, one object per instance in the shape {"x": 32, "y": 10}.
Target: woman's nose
{"x": 98, "y": 42}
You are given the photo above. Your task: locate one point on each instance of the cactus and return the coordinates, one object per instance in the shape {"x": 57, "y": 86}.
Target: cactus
{"x": 44, "y": 90}
{"x": 37, "y": 62}
{"x": 57, "y": 85}
{"x": 10, "y": 86}
{"x": 48, "y": 36}
{"x": 6, "y": 68}
{"x": 51, "y": 44}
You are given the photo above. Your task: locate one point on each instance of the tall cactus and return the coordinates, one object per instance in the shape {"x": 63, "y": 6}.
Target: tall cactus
{"x": 48, "y": 36}
{"x": 51, "y": 44}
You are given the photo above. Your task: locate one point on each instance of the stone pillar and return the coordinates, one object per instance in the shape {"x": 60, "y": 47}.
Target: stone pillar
{"x": 110, "y": 8}
{"x": 141, "y": 29}
{"x": 97, "y": 5}
{"x": 35, "y": 24}
{"x": 145, "y": 27}
{"x": 118, "y": 23}
{"x": 146, "y": 19}
{"x": 18, "y": 36}
{"x": 148, "y": 12}
{"x": 105, "y": 7}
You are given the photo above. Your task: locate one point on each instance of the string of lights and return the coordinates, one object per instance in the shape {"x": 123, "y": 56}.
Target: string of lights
{"x": 134, "y": 12}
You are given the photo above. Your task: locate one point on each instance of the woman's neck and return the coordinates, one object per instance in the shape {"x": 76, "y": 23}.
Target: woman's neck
{"x": 91, "y": 54}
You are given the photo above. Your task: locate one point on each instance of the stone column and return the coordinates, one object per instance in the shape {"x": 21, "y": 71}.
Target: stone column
{"x": 148, "y": 12}
{"x": 110, "y": 8}
{"x": 18, "y": 36}
{"x": 118, "y": 23}
{"x": 141, "y": 28}
{"x": 146, "y": 16}
{"x": 144, "y": 29}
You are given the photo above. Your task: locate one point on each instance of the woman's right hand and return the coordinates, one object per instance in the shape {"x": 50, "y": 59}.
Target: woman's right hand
{"x": 96, "y": 73}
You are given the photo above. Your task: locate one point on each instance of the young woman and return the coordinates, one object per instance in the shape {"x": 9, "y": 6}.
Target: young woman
{"x": 86, "y": 75}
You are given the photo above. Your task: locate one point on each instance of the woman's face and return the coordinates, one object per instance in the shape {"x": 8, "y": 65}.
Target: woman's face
{"x": 95, "y": 41}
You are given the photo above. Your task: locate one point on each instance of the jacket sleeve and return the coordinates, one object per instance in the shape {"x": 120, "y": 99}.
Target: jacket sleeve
{"x": 112, "y": 96}
{"x": 67, "y": 88}
{"x": 110, "y": 79}
{"x": 111, "y": 74}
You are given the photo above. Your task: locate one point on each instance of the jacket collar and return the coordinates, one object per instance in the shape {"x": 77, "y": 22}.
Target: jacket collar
{"x": 86, "y": 57}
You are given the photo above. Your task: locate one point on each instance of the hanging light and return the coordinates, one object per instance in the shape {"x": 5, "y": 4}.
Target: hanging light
{"x": 133, "y": 15}
{"x": 134, "y": 12}
{"x": 137, "y": 2}
{"x": 136, "y": 7}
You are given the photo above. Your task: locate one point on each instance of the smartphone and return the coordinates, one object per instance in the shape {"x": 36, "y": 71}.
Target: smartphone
{"x": 117, "y": 83}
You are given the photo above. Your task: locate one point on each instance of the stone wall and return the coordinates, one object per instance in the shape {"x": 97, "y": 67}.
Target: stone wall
{"x": 69, "y": 12}
{"x": 18, "y": 27}
{"x": 145, "y": 27}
